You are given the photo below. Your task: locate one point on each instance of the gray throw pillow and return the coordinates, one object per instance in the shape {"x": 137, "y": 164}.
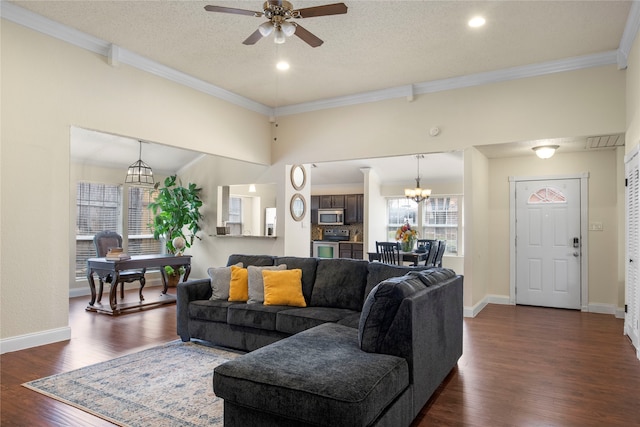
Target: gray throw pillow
{"x": 256, "y": 283}
{"x": 220, "y": 279}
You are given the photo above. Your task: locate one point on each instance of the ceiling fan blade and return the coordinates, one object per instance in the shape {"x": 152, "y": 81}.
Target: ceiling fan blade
{"x": 327, "y": 9}
{"x": 253, "y": 38}
{"x": 307, "y": 37}
{"x": 222, "y": 9}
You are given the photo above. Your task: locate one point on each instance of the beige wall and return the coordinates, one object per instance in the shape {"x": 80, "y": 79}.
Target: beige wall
{"x": 603, "y": 207}
{"x": 47, "y": 87}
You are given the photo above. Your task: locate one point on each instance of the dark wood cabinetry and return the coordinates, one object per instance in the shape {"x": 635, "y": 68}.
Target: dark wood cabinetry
{"x": 315, "y": 205}
{"x": 353, "y": 205}
{"x": 354, "y": 209}
{"x": 351, "y": 250}
{"x": 331, "y": 202}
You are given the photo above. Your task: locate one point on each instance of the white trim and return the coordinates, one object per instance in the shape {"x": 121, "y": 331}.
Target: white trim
{"x": 629, "y": 35}
{"x": 117, "y": 55}
{"x": 473, "y": 311}
{"x": 584, "y": 232}
{"x": 34, "y": 340}
{"x": 603, "y": 309}
{"x": 498, "y": 299}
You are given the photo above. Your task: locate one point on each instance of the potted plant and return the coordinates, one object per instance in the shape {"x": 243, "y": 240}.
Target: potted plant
{"x": 176, "y": 211}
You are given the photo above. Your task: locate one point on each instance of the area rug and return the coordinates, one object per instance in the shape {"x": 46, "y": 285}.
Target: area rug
{"x": 169, "y": 385}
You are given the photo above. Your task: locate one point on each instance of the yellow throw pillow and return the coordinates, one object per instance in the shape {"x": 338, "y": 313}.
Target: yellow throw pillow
{"x": 239, "y": 285}
{"x": 283, "y": 287}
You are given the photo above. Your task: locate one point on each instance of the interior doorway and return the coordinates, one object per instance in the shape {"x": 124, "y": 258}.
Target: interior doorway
{"x": 549, "y": 241}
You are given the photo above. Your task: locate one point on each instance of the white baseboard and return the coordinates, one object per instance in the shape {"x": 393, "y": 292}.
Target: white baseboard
{"x": 489, "y": 299}
{"x": 606, "y": 309}
{"x": 34, "y": 340}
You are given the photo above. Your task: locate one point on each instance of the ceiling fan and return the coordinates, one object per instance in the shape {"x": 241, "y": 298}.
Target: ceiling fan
{"x": 278, "y": 13}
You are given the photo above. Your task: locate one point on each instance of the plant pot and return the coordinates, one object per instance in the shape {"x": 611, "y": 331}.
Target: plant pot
{"x": 173, "y": 279}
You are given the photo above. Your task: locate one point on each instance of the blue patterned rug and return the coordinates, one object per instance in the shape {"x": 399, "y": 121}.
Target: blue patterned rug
{"x": 169, "y": 385}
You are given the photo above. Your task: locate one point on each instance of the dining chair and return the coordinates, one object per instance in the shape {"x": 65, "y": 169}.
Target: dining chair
{"x": 442, "y": 245}
{"x": 432, "y": 251}
{"x": 105, "y": 240}
{"x": 388, "y": 252}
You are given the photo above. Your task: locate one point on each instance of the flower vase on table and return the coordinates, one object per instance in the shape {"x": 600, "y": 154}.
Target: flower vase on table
{"x": 406, "y": 237}
{"x": 407, "y": 245}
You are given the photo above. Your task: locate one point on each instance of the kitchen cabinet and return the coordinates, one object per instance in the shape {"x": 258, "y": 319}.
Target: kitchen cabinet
{"x": 351, "y": 250}
{"x": 332, "y": 201}
{"x": 315, "y": 205}
{"x": 354, "y": 208}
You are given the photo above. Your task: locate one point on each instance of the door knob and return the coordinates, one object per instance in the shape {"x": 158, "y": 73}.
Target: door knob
{"x": 576, "y": 254}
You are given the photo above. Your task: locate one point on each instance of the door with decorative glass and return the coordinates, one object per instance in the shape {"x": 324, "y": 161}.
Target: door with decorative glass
{"x": 548, "y": 243}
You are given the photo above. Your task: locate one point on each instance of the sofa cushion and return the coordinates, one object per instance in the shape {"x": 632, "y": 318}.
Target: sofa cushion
{"x": 220, "y": 279}
{"x": 380, "y": 310}
{"x": 254, "y": 315}
{"x": 256, "y": 283}
{"x": 308, "y": 267}
{"x": 340, "y": 283}
{"x": 297, "y": 320}
{"x": 283, "y": 288}
{"x": 239, "y": 285}
{"x": 317, "y": 377}
{"x": 211, "y": 310}
{"x": 379, "y": 271}
{"x": 433, "y": 276}
{"x": 250, "y": 259}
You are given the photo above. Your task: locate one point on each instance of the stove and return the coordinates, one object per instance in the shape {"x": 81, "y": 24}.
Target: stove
{"x": 335, "y": 235}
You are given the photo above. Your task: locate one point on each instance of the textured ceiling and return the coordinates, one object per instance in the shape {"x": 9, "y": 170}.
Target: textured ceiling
{"x": 376, "y": 45}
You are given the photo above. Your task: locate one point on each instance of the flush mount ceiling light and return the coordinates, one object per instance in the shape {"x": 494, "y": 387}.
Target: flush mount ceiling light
{"x": 545, "y": 151}
{"x": 282, "y": 65}
{"x": 139, "y": 172}
{"x": 417, "y": 194}
{"x": 476, "y": 21}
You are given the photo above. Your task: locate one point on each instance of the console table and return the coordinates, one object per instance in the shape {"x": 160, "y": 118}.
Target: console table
{"x": 111, "y": 269}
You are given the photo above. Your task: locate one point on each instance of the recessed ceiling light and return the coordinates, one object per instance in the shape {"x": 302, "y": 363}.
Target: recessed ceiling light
{"x": 477, "y": 21}
{"x": 282, "y": 65}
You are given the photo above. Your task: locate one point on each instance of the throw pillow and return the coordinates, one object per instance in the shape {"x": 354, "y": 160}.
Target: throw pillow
{"x": 220, "y": 279}
{"x": 239, "y": 285}
{"x": 256, "y": 285}
{"x": 283, "y": 288}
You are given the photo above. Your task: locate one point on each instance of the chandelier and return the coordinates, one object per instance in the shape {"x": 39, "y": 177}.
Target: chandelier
{"x": 417, "y": 194}
{"x": 139, "y": 172}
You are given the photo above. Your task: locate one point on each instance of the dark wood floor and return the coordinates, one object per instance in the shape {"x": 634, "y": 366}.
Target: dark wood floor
{"x": 522, "y": 366}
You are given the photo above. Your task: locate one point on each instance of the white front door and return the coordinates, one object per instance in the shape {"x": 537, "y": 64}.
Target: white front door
{"x": 548, "y": 243}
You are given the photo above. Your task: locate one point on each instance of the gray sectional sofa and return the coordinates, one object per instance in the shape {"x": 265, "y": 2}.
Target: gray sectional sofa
{"x": 370, "y": 348}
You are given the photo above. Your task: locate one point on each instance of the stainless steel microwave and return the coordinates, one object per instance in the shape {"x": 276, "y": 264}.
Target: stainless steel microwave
{"x": 330, "y": 216}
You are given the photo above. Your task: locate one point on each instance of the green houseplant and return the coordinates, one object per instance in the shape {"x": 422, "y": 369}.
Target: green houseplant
{"x": 176, "y": 211}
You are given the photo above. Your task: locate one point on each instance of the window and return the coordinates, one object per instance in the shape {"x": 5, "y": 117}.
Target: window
{"x": 400, "y": 211}
{"x": 140, "y": 238}
{"x": 99, "y": 207}
{"x": 437, "y": 218}
{"x": 440, "y": 221}
{"x": 235, "y": 215}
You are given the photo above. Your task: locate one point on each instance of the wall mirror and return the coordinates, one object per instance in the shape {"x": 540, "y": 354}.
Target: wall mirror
{"x": 298, "y": 207}
{"x": 298, "y": 177}
{"x": 247, "y": 209}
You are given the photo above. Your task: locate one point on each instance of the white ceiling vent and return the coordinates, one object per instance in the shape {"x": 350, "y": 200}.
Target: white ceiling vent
{"x": 605, "y": 141}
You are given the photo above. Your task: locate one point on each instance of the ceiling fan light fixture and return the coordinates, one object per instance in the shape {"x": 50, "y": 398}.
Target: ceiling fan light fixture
{"x": 545, "y": 151}
{"x": 288, "y": 28}
{"x": 266, "y": 28}
{"x": 279, "y": 38}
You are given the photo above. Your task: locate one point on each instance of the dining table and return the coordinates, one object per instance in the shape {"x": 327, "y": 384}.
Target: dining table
{"x": 413, "y": 257}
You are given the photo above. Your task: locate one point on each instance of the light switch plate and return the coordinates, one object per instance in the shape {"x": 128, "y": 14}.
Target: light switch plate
{"x": 595, "y": 226}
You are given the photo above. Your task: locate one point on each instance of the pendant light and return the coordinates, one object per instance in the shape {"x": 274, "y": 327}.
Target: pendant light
{"x": 417, "y": 194}
{"x": 139, "y": 172}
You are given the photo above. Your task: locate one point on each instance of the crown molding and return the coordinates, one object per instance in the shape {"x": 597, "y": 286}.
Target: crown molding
{"x": 77, "y": 38}
{"x": 117, "y": 55}
{"x": 629, "y": 34}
